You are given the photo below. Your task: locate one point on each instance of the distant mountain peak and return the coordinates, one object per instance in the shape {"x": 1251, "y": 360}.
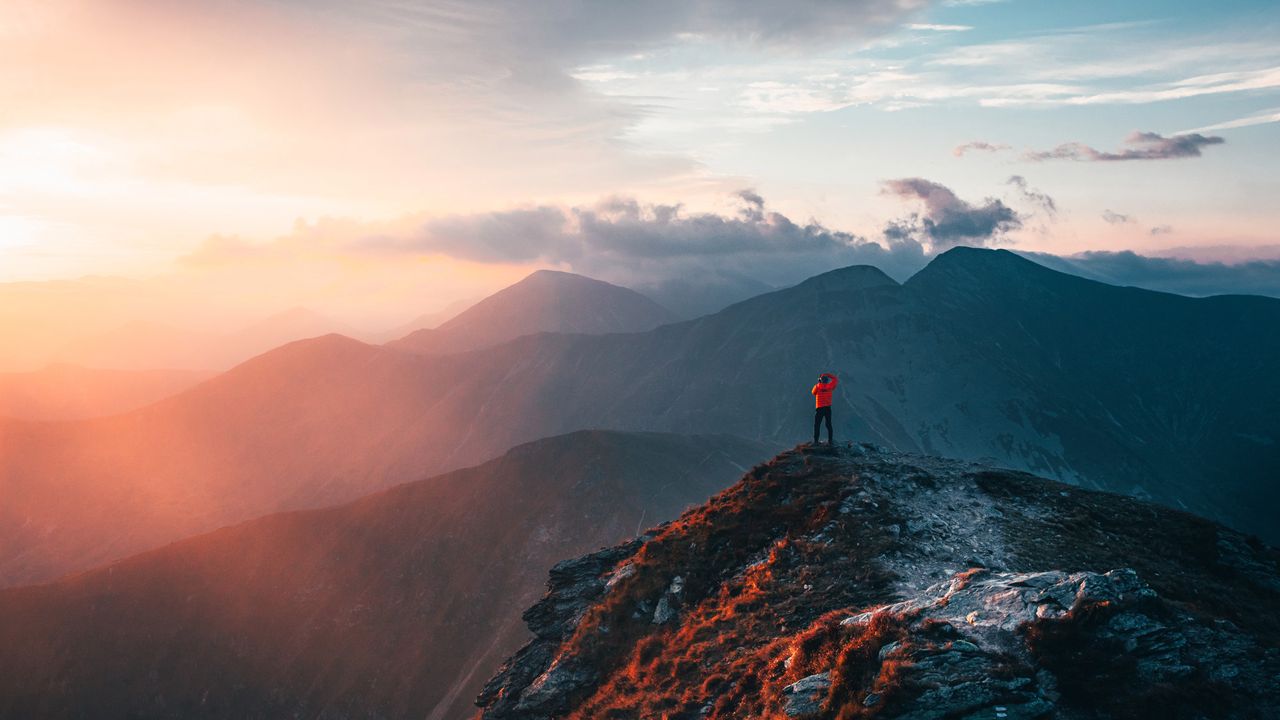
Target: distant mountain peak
{"x": 553, "y": 280}
{"x": 543, "y": 301}
{"x": 324, "y": 349}
{"x": 549, "y": 274}
{"x": 852, "y": 277}
{"x": 980, "y": 263}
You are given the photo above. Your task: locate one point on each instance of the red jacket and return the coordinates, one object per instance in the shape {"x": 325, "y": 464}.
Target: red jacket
{"x": 822, "y": 391}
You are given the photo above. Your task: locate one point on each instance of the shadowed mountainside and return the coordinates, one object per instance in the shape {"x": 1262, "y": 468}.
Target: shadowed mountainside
{"x": 982, "y": 354}
{"x": 545, "y": 301}
{"x": 397, "y": 605}
{"x": 861, "y": 583}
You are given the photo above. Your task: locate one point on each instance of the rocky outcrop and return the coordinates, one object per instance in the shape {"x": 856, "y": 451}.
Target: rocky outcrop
{"x": 858, "y": 582}
{"x": 1009, "y": 642}
{"x": 574, "y": 585}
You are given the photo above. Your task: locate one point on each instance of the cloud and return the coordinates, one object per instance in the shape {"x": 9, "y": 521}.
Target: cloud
{"x": 934, "y": 27}
{"x": 1185, "y": 277}
{"x": 238, "y": 116}
{"x": 1200, "y": 85}
{"x": 1111, "y": 63}
{"x": 624, "y": 240}
{"x": 947, "y": 220}
{"x": 1145, "y": 146}
{"x": 1262, "y": 118}
{"x": 1033, "y": 196}
{"x": 1116, "y": 218}
{"x": 754, "y": 204}
{"x": 979, "y": 145}
{"x": 1161, "y": 230}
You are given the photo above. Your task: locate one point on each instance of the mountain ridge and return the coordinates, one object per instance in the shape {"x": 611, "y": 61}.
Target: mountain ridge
{"x": 395, "y": 604}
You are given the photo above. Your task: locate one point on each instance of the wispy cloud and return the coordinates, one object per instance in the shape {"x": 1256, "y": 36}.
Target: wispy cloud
{"x": 934, "y": 27}
{"x": 1115, "y": 218}
{"x": 1262, "y": 118}
{"x": 980, "y": 146}
{"x": 1095, "y": 65}
{"x": 1215, "y": 84}
{"x": 1143, "y": 146}
{"x": 1035, "y": 197}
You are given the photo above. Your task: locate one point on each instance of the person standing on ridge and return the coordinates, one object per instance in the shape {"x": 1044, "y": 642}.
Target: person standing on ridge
{"x": 822, "y": 404}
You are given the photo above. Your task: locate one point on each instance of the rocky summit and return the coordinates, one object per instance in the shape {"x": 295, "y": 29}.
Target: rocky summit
{"x": 855, "y": 582}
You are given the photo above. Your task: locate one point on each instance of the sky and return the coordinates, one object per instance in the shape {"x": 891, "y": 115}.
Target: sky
{"x": 382, "y": 158}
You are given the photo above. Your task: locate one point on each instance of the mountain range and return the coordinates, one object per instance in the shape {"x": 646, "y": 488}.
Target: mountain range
{"x": 983, "y": 354}
{"x": 400, "y": 604}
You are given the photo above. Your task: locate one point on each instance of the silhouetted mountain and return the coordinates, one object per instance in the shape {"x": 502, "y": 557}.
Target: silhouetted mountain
{"x": 397, "y": 605}
{"x": 69, "y": 392}
{"x": 982, "y": 354}
{"x": 546, "y": 301}
{"x": 426, "y": 321}
{"x": 147, "y": 345}
{"x": 857, "y": 583}
{"x": 141, "y": 345}
{"x": 285, "y": 326}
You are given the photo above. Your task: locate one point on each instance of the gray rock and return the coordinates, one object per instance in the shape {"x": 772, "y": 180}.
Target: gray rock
{"x": 889, "y": 649}
{"x": 805, "y": 696}
{"x": 664, "y": 613}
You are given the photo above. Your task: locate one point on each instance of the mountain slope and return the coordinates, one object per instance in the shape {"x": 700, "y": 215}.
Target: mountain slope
{"x": 396, "y": 605}
{"x": 546, "y": 301}
{"x": 859, "y": 583}
{"x": 70, "y": 392}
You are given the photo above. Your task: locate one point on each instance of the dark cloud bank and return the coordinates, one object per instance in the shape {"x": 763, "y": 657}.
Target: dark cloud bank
{"x": 1184, "y": 277}
{"x": 699, "y": 262}
{"x": 947, "y": 220}
{"x": 693, "y": 262}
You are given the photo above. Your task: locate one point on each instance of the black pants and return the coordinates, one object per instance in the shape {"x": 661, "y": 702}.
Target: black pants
{"x": 818, "y": 415}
